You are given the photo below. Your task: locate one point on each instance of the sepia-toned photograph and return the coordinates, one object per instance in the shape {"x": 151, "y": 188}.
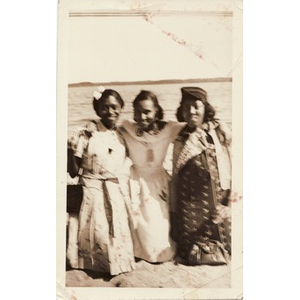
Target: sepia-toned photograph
{"x": 149, "y": 149}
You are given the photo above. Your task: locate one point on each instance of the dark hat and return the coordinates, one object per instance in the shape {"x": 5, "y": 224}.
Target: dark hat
{"x": 194, "y": 93}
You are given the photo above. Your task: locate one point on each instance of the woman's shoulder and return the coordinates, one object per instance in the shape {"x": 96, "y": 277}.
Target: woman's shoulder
{"x": 127, "y": 123}
{"x": 175, "y": 127}
{"x": 127, "y": 127}
{"x": 92, "y": 125}
{"x": 82, "y": 131}
{"x": 171, "y": 125}
{"x": 222, "y": 129}
{"x": 87, "y": 128}
{"x": 171, "y": 129}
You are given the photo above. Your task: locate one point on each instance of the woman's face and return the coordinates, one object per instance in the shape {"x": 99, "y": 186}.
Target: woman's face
{"x": 193, "y": 112}
{"x": 145, "y": 114}
{"x": 109, "y": 110}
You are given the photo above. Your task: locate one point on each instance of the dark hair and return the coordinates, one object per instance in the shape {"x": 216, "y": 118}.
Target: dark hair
{"x": 144, "y": 95}
{"x": 209, "y": 112}
{"x": 104, "y": 96}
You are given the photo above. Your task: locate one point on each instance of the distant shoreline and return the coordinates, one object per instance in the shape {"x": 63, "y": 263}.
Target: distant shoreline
{"x": 165, "y": 81}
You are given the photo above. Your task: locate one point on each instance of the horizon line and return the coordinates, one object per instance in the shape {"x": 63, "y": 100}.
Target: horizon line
{"x": 162, "y": 81}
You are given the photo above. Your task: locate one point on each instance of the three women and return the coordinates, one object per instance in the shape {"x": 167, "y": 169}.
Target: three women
{"x": 105, "y": 240}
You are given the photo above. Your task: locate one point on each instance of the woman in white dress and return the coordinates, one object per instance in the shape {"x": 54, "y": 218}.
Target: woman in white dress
{"x": 104, "y": 238}
{"x": 147, "y": 139}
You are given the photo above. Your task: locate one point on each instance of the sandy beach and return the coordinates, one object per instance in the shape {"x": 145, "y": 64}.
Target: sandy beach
{"x": 164, "y": 275}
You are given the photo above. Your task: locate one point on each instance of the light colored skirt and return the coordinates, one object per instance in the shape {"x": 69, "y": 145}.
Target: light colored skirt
{"x": 104, "y": 238}
{"x": 149, "y": 196}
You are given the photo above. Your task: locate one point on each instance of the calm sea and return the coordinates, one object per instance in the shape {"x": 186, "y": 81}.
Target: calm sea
{"x": 80, "y": 108}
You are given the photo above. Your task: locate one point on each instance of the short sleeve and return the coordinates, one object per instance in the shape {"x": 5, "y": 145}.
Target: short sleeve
{"x": 81, "y": 144}
{"x": 79, "y": 138}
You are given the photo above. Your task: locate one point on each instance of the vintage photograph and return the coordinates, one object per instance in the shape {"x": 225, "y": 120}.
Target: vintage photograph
{"x": 149, "y": 193}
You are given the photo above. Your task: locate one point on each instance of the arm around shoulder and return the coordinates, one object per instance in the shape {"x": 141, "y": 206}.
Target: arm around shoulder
{"x": 174, "y": 128}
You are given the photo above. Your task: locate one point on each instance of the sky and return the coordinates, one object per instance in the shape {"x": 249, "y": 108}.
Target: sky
{"x": 106, "y": 48}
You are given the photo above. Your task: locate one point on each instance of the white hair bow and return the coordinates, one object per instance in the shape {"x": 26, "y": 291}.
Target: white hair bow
{"x": 98, "y": 93}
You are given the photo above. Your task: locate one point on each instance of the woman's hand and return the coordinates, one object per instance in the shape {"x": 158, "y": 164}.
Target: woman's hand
{"x": 72, "y": 143}
{"x": 224, "y": 133}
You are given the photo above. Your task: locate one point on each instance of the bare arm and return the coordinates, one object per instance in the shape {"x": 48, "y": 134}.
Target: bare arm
{"x": 74, "y": 163}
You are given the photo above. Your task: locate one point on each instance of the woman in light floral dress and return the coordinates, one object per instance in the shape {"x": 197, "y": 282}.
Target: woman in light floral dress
{"x": 104, "y": 238}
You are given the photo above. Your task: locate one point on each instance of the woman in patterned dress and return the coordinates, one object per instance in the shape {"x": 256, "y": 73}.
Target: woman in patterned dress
{"x": 147, "y": 139}
{"x": 201, "y": 179}
{"x": 104, "y": 238}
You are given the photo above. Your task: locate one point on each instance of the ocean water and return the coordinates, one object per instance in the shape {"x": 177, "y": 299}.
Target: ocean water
{"x": 80, "y": 109}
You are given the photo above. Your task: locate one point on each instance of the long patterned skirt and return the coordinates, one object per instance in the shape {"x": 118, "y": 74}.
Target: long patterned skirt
{"x": 196, "y": 198}
{"x": 104, "y": 239}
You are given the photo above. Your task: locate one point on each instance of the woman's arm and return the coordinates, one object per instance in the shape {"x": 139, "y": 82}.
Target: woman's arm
{"x": 74, "y": 163}
{"x": 174, "y": 128}
{"x": 76, "y": 145}
{"x": 224, "y": 133}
